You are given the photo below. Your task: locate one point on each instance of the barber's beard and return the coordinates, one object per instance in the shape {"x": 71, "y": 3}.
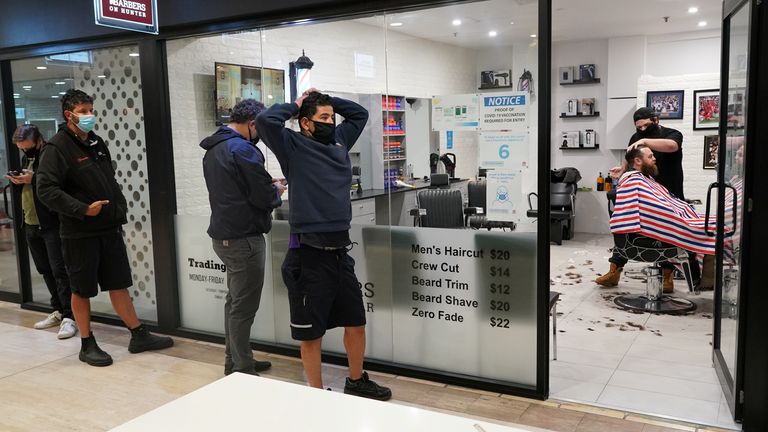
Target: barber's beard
{"x": 649, "y": 170}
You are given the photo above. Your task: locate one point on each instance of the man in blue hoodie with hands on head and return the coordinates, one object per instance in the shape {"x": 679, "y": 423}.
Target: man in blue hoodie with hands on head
{"x": 242, "y": 195}
{"x": 323, "y": 291}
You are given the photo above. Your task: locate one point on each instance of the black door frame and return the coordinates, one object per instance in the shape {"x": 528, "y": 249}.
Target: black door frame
{"x": 162, "y": 192}
{"x": 746, "y": 398}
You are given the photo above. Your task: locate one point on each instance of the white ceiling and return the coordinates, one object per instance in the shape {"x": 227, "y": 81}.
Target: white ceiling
{"x": 571, "y": 20}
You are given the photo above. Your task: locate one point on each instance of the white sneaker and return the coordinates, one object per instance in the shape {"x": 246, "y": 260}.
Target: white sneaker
{"x": 67, "y": 329}
{"x": 52, "y": 320}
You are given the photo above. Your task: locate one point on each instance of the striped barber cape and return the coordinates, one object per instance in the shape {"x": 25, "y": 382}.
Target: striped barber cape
{"x": 645, "y": 207}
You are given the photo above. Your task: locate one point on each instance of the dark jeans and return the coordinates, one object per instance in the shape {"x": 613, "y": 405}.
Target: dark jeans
{"x": 45, "y": 248}
{"x": 627, "y": 241}
{"x": 245, "y": 261}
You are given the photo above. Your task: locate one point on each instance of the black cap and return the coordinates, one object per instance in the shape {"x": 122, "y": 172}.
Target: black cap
{"x": 644, "y": 113}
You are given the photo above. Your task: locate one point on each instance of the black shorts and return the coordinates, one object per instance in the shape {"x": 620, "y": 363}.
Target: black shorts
{"x": 94, "y": 262}
{"x": 323, "y": 291}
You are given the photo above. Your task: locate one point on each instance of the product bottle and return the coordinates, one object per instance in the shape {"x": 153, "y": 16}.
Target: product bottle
{"x": 608, "y": 184}
{"x": 600, "y": 182}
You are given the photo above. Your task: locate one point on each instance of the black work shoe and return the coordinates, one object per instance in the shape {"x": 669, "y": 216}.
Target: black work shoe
{"x": 91, "y": 353}
{"x": 261, "y": 366}
{"x": 364, "y": 387}
{"x": 142, "y": 340}
{"x": 258, "y": 366}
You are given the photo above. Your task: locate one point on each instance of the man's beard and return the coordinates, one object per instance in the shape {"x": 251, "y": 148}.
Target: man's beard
{"x": 649, "y": 170}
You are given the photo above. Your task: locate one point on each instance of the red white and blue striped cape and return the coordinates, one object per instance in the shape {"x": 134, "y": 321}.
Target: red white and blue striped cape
{"x": 645, "y": 207}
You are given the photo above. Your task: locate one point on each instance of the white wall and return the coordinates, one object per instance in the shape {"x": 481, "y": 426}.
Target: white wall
{"x": 687, "y": 61}
{"x": 591, "y": 207}
{"x": 412, "y": 67}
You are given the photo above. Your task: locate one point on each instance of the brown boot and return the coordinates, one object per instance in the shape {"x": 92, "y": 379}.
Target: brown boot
{"x": 708, "y": 273}
{"x": 668, "y": 285}
{"x": 610, "y": 279}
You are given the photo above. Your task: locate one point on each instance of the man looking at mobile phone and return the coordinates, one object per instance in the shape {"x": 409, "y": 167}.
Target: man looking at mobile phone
{"x": 77, "y": 181}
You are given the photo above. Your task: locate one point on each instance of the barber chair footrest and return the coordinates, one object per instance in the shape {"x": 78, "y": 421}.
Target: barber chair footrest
{"x": 664, "y": 305}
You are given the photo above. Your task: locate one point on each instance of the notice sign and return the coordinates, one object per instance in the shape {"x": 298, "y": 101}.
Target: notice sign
{"x": 504, "y": 111}
{"x": 135, "y": 15}
{"x": 455, "y": 112}
{"x": 504, "y": 195}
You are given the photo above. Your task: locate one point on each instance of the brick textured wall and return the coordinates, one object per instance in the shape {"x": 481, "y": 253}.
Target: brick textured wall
{"x": 412, "y": 67}
{"x": 697, "y": 179}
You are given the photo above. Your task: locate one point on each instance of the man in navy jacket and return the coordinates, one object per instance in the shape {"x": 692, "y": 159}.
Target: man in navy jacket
{"x": 242, "y": 195}
{"x": 323, "y": 291}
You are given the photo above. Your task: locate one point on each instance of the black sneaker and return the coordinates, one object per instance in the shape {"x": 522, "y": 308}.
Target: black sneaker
{"x": 364, "y": 387}
{"x": 142, "y": 340}
{"x": 93, "y": 355}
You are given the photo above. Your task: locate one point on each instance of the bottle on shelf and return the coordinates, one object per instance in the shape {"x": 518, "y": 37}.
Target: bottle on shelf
{"x": 600, "y": 182}
{"x": 608, "y": 184}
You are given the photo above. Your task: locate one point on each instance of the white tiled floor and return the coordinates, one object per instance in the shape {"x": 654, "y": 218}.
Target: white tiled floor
{"x": 653, "y": 364}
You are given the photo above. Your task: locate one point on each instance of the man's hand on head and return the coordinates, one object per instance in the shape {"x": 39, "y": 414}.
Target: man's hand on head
{"x": 304, "y": 95}
{"x": 635, "y": 144}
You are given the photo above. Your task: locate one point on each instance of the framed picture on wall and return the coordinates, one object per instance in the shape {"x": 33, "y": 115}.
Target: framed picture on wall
{"x": 711, "y": 145}
{"x": 668, "y": 104}
{"x": 706, "y": 109}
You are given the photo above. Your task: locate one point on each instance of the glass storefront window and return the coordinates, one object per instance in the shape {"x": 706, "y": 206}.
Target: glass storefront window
{"x": 111, "y": 76}
{"x": 9, "y": 277}
{"x": 455, "y": 296}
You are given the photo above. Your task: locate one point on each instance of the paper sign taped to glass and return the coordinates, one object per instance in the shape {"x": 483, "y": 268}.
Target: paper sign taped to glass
{"x": 455, "y": 112}
{"x": 503, "y": 150}
{"x": 504, "y": 195}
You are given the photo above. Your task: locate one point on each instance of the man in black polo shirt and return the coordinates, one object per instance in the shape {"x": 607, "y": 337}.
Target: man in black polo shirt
{"x": 76, "y": 180}
{"x": 667, "y": 146}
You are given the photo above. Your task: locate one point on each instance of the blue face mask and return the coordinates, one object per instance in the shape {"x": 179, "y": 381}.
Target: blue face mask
{"x": 86, "y": 122}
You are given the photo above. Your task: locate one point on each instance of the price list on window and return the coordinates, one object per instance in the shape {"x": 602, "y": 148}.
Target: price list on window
{"x": 465, "y": 301}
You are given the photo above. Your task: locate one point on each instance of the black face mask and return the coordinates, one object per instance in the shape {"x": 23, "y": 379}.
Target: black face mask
{"x": 252, "y": 139}
{"x": 324, "y": 132}
{"x": 651, "y": 131}
{"x": 31, "y": 153}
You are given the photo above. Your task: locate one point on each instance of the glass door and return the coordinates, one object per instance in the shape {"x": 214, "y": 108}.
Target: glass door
{"x": 728, "y": 347}
{"x": 9, "y": 276}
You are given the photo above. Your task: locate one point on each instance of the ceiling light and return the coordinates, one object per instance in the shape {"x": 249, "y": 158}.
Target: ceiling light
{"x": 133, "y": 55}
{"x": 26, "y": 87}
{"x": 533, "y": 35}
{"x": 702, "y": 23}
{"x": 41, "y": 67}
{"x": 492, "y": 33}
{"x": 456, "y": 22}
{"x": 101, "y": 76}
{"x": 512, "y": 23}
{"x": 395, "y": 24}
{"x": 693, "y": 10}
{"x": 16, "y": 96}
{"x": 269, "y": 97}
{"x": 62, "y": 93}
{"x": 60, "y": 83}
{"x": 55, "y": 97}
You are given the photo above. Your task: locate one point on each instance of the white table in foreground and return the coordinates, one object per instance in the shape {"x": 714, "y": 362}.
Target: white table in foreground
{"x": 246, "y": 402}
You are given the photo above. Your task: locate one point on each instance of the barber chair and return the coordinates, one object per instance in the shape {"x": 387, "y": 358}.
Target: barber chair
{"x": 651, "y": 251}
{"x": 562, "y": 213}
{"x": 476, "y": 209}
{"x": 439, "y": 181}
{"x": 439, "y": 208}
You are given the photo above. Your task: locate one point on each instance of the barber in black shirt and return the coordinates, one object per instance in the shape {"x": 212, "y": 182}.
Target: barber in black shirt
{"x": 667, "y": 146}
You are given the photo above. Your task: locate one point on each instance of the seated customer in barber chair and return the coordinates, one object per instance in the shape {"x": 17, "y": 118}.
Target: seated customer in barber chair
{"x": 646, "y": 215}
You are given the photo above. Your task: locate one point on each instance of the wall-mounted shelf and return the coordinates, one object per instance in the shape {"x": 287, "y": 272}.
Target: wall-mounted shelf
{"x": 593, "y": 81}
{"x": 495, "y": 88}
{"x": 597, "y": 146}
{"x": 596, "y": 114}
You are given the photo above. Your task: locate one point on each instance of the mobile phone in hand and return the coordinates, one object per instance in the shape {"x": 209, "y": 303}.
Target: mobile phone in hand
{"x": 14, "y": 173}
